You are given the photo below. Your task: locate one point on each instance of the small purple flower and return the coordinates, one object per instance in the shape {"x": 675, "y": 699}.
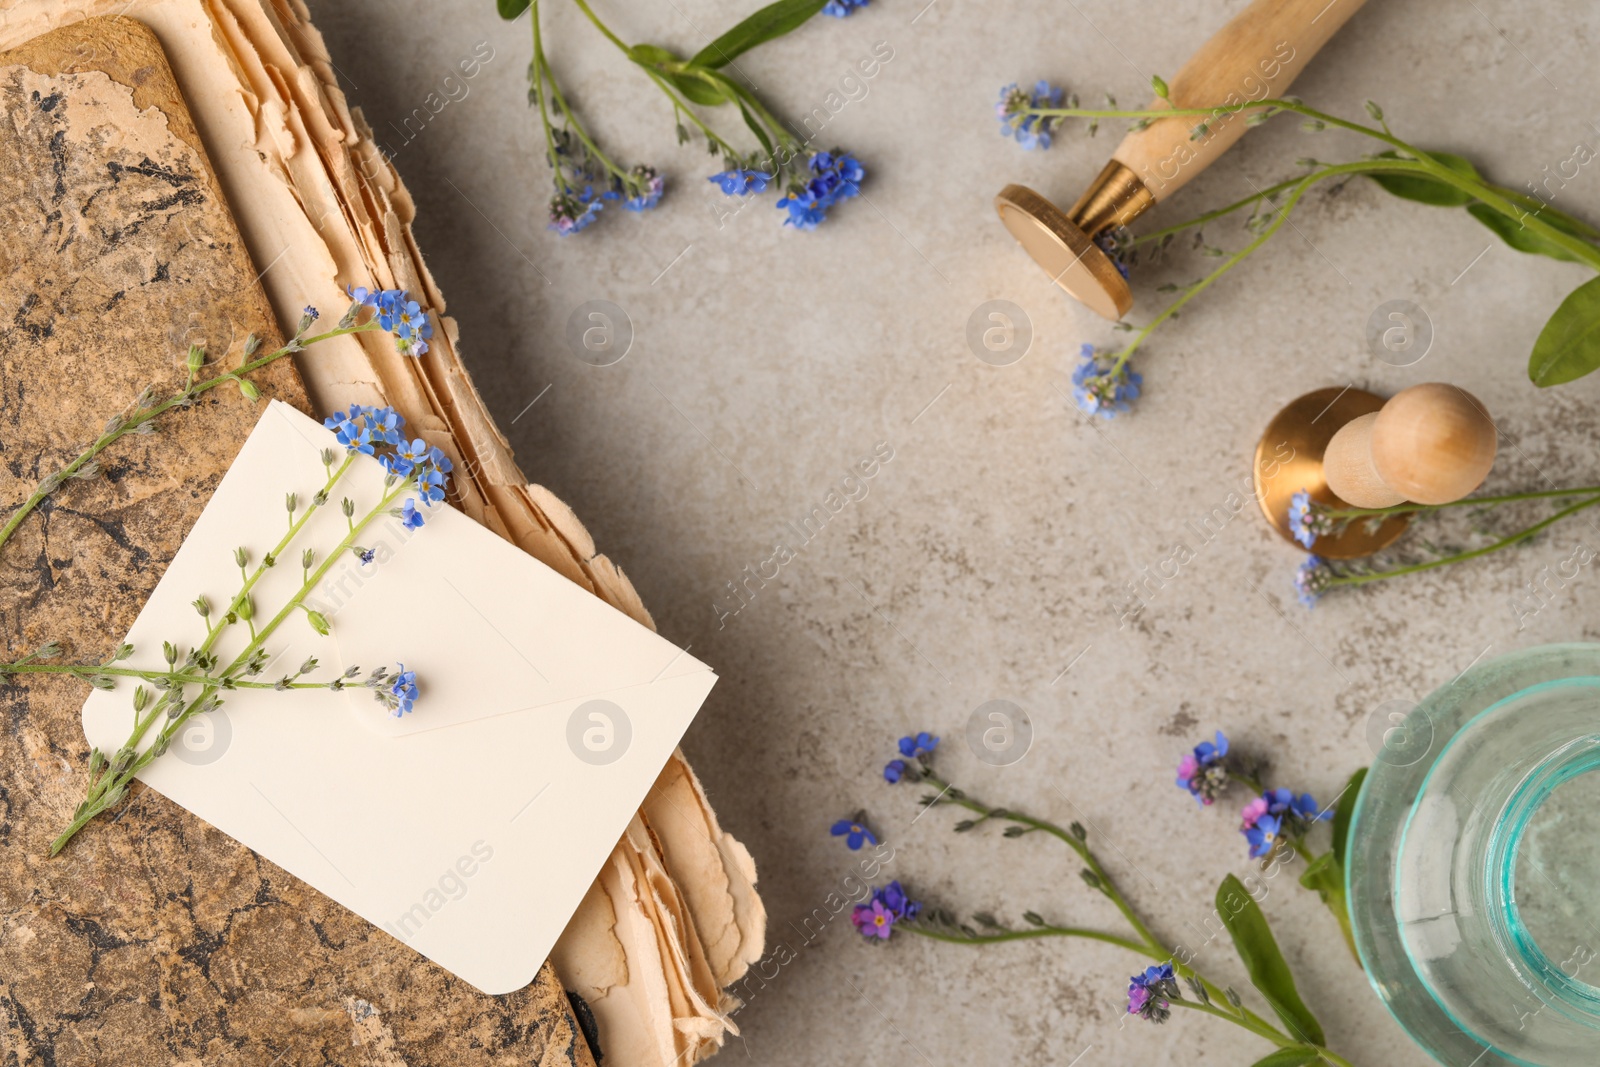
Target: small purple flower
{"x": 1285, "y": 802}
{"x": 1263, "y": 834}
{"x": 309, "y": 313}
{"x": 741, "y": 182}
{"x": 894, "y": 770}
{"x": 873, "y": 921}
{"x": 1203, "y": 772}
{"x": 922, "y": 744}
{"x": 572, "y": 212}
{"x": 836, "y": 176}
{"x": 854, "y": 833}
{"x": 410, "y": 517}
{"x": 650, "y": 185}
{"x": 894, "y": 898}
{"x": 366, "y": 555}
{"x": 806, "y": 212}
{"x": 1030, "y": 131}
{"x": 1275, "y": 814}
{"x": 1150, "y": 994}
{"x": 403, "y": 691}
{"x": 840, "y": 8}
{"x": 1102, "y": 388}
{"x": 1312, "y": 579}
{"x": 1307, "y": 519}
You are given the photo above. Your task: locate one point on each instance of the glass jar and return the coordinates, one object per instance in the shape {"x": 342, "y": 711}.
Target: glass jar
{"x": 1473, "y": 864}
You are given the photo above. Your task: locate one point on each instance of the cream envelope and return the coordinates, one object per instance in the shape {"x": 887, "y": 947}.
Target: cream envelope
{"x": 471, "y": 827}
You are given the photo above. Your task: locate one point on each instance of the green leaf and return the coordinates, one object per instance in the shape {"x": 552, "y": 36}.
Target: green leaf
{"x": 698, "y": 90}
{"x": 1269, "y": 973}
{"x": 1428, "y": 190}
{"x": 770, "y": 22}
{"x": 649, "y": 55}
{"x": 1569, "y": 345}
{"x": 510, "y": 9}
{"x": 755, "y": 128}
{"x": 1288, "y": 1057}
{"x": 1343, "y": 813}
{"x": 1518, "y": 236}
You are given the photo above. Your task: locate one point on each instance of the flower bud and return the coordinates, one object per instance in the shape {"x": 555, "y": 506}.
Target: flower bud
{"x": 1160, "y": 86}
{"x": 196, "y": 358}
{"x": 249, "y": 390}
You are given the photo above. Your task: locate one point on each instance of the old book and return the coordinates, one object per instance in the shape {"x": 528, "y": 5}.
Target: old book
{"x": 159, "y": 938}
{"x": 318, "y": 204}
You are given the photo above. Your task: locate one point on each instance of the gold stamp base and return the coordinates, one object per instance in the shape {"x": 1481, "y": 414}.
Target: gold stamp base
{"x": 1289, "y": 459}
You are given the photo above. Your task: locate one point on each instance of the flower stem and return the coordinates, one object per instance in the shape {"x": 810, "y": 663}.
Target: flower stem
{"x": 1023, "y": 935}
{"x": 112, "y": 785}
{"x": 679, "y": 104}
{"x": 1300, "y": 186}
{"x": 950, "y": 795}
{"x": 1496, "y": 197}
{"x": 138, "y": 418}
{"x": 1460, "y": 557}
{"x": 1147, "y": 945}
{"x": 544, "y": 76}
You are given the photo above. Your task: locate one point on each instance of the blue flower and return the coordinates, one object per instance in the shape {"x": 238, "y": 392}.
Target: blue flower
{"x": 354, "y": 438}
{"x": 430, "y": 484}
{"x": 1117, "y": 243}
{"x": 397, "y": 313}
{"x": 836, "y": 176}
{"x": 571, "y": 211}
{"x": 403, "y": 691}
{"x": 1308, "y": 520}
{"x": 840, "y": 8}
{"x": 367, "y": 555}
{"x": 1282, "y": 802}
{"x": 1150, "y": 994}
{"x": 650, "y": 185}
{"x": 410, "y": 517}
{"x": 854, "y": 833}
{"x": 1203, "y": 772}
{"x": 309, "y": 313}
{"x": 922, "y": 744}
{"x": 1263, "y": 834}
{"x": 805, "y": 212}
{"x": 1102, "y": 388}
{"x": 1031, "y": 131}
{"x": 894, "y": 898}
{"x": 361, "y": 428}
{"x": 1312, "y": 580}
{"x": 741, "y": 182}
{"x": 894, "y": 770}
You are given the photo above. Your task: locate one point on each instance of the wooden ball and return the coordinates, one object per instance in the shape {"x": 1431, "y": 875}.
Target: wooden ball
{"x": 1347, "y": 467}
{"x": 1433, "y": 443}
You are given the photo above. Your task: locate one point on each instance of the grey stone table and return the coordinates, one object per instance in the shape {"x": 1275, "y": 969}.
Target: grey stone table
{"x": 992, "y": 556}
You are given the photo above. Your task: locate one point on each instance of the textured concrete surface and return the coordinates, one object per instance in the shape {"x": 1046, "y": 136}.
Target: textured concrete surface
{"x": 991, "y": 557}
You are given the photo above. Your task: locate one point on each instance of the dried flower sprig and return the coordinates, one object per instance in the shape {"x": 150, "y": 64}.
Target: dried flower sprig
{"x": 586, "y": 177}
{"x": 1309, "y": 520}
{"x": 1568, "y": 347}
{"x": 395, "y": 312}
{"x": 1170, "y": 981}
{"x": 413, "y": 471}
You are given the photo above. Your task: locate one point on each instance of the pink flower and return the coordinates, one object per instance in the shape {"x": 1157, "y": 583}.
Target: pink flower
{"x": 1252, "y": 812}
{"x": 873, "y": 920}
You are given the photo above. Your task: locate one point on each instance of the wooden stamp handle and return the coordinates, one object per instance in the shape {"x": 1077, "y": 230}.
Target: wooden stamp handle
{"x": 1255, "y": 56}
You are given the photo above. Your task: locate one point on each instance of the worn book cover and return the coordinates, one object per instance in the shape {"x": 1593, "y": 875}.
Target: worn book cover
{"x": 156, "y": 938}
